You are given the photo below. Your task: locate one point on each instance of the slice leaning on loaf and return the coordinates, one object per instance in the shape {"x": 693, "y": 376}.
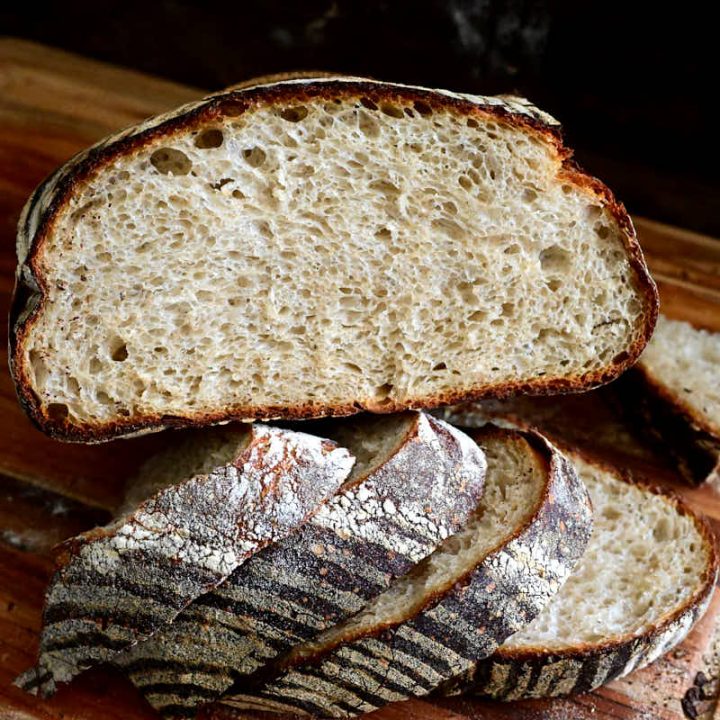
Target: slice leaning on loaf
{"x": 316, "y": 247}
{"x": 647, "y": 575}
{"x": 673, "y": 391}
{"x": 415, "y": 482}
{"x": 483, "y": 584}
{"x": 211, "y": 502}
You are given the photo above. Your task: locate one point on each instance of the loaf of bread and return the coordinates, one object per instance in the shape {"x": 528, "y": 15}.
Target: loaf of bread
{"x": 648, "y": 574}
{"x": 482, "y": 585}
{"x": 211, "y": 502}
{"x": 315, "y": 247}
{"x": 415, "y": 482}
{"x": 672, "y": 396}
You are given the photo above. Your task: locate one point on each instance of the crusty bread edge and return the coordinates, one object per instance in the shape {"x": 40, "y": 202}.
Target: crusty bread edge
{"x": 673, "y": 425}
{"x": 589, "y": 665}
{"x": 550, "y": 510}
{"x": 30, "y": 288}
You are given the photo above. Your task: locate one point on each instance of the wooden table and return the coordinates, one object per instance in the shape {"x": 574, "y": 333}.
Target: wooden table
{"x": 52, "y": 104}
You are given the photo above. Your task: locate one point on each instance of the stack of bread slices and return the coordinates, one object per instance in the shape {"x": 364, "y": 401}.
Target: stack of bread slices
{"x": 341, "y": 255}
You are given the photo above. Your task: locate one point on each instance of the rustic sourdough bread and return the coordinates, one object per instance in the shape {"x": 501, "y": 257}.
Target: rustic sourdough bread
{"x": 673, "y": 391}
{"x": 211, "y": 502}
{"x": 481, "y": 585}
{"x": 415, "y": 482}
{"x": 316, "y": 247}
{"x": 647, "y": 575}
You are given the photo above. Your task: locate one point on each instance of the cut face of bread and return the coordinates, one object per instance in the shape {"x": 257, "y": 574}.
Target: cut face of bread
{"x": 234, "y": 491}
{"x": 416, "y": 481}
{"x": 318, "y": 247}
{"x": 684, "y": 361}
{"x": 672, "y": 395}
{"x": 484, "y": 583}
{"x": 646, "y": 577}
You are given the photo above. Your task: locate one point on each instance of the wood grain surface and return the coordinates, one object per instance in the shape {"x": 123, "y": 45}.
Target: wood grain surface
{"x": 53, "y": 104}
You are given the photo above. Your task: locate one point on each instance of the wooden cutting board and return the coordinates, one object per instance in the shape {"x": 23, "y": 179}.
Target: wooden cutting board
{"x": 53, "y": 104}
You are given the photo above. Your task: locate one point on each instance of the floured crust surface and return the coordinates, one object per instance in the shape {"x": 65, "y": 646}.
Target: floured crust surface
{"x": 410, "y": 495}
{"x": 466, "y": 612}
{"x": 117, "y": 585}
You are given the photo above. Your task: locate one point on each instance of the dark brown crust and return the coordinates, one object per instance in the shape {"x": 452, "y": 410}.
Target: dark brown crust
{"x": 430, "y": 459}
{"x": 31, "y": 288}
{"x": 615, "y": 653}
{"x": 489, "y": 596}
{"x": 674, "y": 427}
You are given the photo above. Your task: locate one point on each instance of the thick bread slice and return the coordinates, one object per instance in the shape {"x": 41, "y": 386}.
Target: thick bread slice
{"x": 218, "y": 498}
{"x": 415, "y": 482}
{"x": 646, "y": 577}
{"x": 479, "y": 587}
{"x": 315, "y": 247}
{"x": 675, "y": 392}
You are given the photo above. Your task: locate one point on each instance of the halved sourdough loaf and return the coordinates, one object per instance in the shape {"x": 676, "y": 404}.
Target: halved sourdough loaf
{"x": 483, "y": 584}
{"x": 416, "y": 481}
{"x": 674, "y": 393}
{"x": 316, "y": 247}
{"x": 211, "y": 502}
{"x": 648, "y": 574}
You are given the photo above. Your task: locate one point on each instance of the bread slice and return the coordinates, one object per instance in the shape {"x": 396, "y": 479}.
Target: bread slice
{"x": 482, "y": 585}
{"x": 673, "y": 392}
{"x": 416, "y": 481}
{"x": 646, "y": 577}
{"x": 315, "y": 247}
{"x": 215, "y": 500}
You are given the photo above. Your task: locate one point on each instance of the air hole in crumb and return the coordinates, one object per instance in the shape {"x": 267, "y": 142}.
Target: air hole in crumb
{"x": 440, "y": 366}
{"x": 294, "y": 114}
{"x": 219, "y": 184}
{"x": 471, "y": 122}
{"x": 464, "y": 182}
{"x": 254, "y": 156}
{"x": 238, "y": 194}
{"x": 529, "y": 195}
{"x": 554, "y": 258}
{"x": 209, "y": 139}
{"x": 353, "y": 367}
{"x": 383, "y": 391}
{"x": 368, "y": 103}
{"x": 120, "y": 353}
{"x": 170, "y": 160}
{"x": 602, "y": 232}
{"x": 391, "y": 110}
{"x": 567, "y": 189}
{"x": 57, "y": 411}
{"x": 422, "y": 107}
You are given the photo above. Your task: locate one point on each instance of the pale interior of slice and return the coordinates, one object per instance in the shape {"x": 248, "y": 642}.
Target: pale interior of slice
{"x": 686, "y": 360}
{"x": 644, "y": 559}
{"x": 372, "y": 440}
{"x": 516, "y": 477}
{"x": 324, "y": 253}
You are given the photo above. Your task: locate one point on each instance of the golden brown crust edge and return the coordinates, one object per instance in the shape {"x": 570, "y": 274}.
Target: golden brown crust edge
{"x": 28, "y": 298}
{"x": 539, "y": 672}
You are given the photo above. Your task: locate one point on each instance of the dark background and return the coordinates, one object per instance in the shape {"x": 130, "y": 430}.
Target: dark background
{"x": 634, "y": 83}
